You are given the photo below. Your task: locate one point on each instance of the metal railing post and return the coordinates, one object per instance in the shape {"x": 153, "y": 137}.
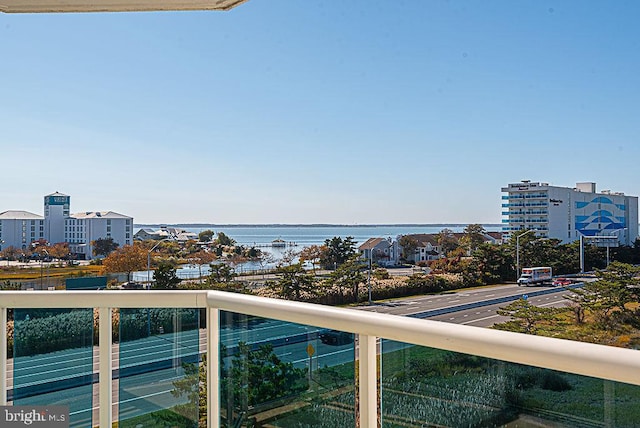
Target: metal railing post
{"x": 105, "y": 368}
{"x": 3, "y": 356}
{"x": 367, "y": 381}
{"x": 213, "y": 365}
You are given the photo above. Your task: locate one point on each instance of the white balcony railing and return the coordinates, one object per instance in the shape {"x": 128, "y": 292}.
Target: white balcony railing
{"x": 616, "y": 364}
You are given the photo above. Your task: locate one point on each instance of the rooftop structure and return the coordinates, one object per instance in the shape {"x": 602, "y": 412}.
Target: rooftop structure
{"x": 33, "y": 6}
{"x": 19, "y": 215}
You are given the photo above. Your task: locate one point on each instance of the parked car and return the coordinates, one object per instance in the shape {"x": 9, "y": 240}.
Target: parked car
{"x": 335, "y": 337}
{"x": 132, "y": 286}
{"x": 561, "y": 282}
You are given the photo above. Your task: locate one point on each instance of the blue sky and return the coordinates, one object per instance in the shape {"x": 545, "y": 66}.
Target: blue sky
{"x": 307, "y": 111}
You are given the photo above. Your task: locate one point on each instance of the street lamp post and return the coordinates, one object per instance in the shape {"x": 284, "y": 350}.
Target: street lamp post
{"x": 518, "y": 252}
{"x": 48, "y": 266}
{"x": 2, "y": 242}
{"x": 149, "y": 281}
{"x": 149, "y": 260}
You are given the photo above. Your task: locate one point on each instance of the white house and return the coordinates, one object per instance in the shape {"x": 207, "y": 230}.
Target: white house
{"x": 378, "y": 250}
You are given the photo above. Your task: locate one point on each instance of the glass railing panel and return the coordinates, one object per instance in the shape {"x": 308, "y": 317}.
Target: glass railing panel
{"x": 281, "y": 374}
{"x": 428, "y": 387}
{"x": 159, "y": 367}
{"x": 53, "y": 361}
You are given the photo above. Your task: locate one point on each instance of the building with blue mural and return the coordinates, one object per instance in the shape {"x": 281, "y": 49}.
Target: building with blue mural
{"x": 567, "y": 213}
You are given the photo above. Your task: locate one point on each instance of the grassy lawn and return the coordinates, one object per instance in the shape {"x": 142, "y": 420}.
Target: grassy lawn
{"x": 53, "y": 271}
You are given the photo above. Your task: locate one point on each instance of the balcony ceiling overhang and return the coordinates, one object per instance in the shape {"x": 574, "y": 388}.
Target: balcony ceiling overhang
{"x": 53, "y": 6}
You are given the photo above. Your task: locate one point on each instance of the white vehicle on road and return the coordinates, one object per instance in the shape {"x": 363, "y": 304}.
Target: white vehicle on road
{"x": 535, "y": 275}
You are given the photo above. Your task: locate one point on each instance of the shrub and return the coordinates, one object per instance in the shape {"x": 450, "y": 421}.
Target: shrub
{"x": 58, "y": 331}
{"x": 381, "y": 274}
{"x": 552, "y": 381}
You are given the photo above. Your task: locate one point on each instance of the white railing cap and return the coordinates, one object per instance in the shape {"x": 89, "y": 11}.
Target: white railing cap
{"x": 104, "y": 298}
{"x": 587, "y": 359}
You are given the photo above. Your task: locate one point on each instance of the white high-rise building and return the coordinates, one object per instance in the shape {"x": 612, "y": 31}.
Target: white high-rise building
{"x": 19, "y": 229}
{"x": 568, "y": 213}
{"x": 56, "y": 211}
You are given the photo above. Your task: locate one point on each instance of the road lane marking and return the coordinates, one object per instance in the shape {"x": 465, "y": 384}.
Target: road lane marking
{"x": 553, "y": 303}
{"x": 479, "y": 319}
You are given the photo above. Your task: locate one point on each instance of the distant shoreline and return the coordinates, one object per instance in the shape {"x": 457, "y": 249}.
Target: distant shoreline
{"x": 282, "y": 225}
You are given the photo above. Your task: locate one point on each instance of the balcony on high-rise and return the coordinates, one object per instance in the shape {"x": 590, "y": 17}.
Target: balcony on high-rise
{"x": 171, "y": 358}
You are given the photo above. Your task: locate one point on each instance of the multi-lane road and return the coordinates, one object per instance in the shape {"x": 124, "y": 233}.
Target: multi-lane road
{"x": 146, "y": 368}
{"x": 475, "y": 307}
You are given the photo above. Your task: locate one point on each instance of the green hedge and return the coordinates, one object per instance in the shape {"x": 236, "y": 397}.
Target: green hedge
{"x": 53, "y": 331}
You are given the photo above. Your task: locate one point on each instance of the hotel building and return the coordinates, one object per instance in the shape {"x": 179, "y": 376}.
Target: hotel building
{"x": 21, "y": 228}
{"x": 568, "y": 213}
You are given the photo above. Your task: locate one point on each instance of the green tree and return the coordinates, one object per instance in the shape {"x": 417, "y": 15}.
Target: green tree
{"x": 221, "y": 273}
{"x": 491, "y": 264}
{"x": 224, "y": 240}
{"x": 627, "y": 254}
{"x": 253, "y": 253}
{"x": 528, "y": 318}
{"x": 534, "y": 251}
{"x": 612, "y": 294}
{"x": 293, "y": 281}
{"x": 103, "y": 246}
{"x": 446, "y": 241}
{"x": 349, "y": 275}
{"x": 337, "y": 251}
{"x": 409, "y": 245}
{"x": 193, "y": 385}
{"x": 256, "y": 376}
{"x": 206, "y": 235}
{"x": 165, "y": 277}
{"x": 473, "y": 237}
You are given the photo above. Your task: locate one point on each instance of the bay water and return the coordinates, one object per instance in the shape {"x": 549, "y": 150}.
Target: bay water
{"x": 296, "y": 238}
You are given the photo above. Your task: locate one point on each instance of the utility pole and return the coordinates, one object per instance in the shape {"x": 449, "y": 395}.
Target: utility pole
{"x": 518, "y": 252}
